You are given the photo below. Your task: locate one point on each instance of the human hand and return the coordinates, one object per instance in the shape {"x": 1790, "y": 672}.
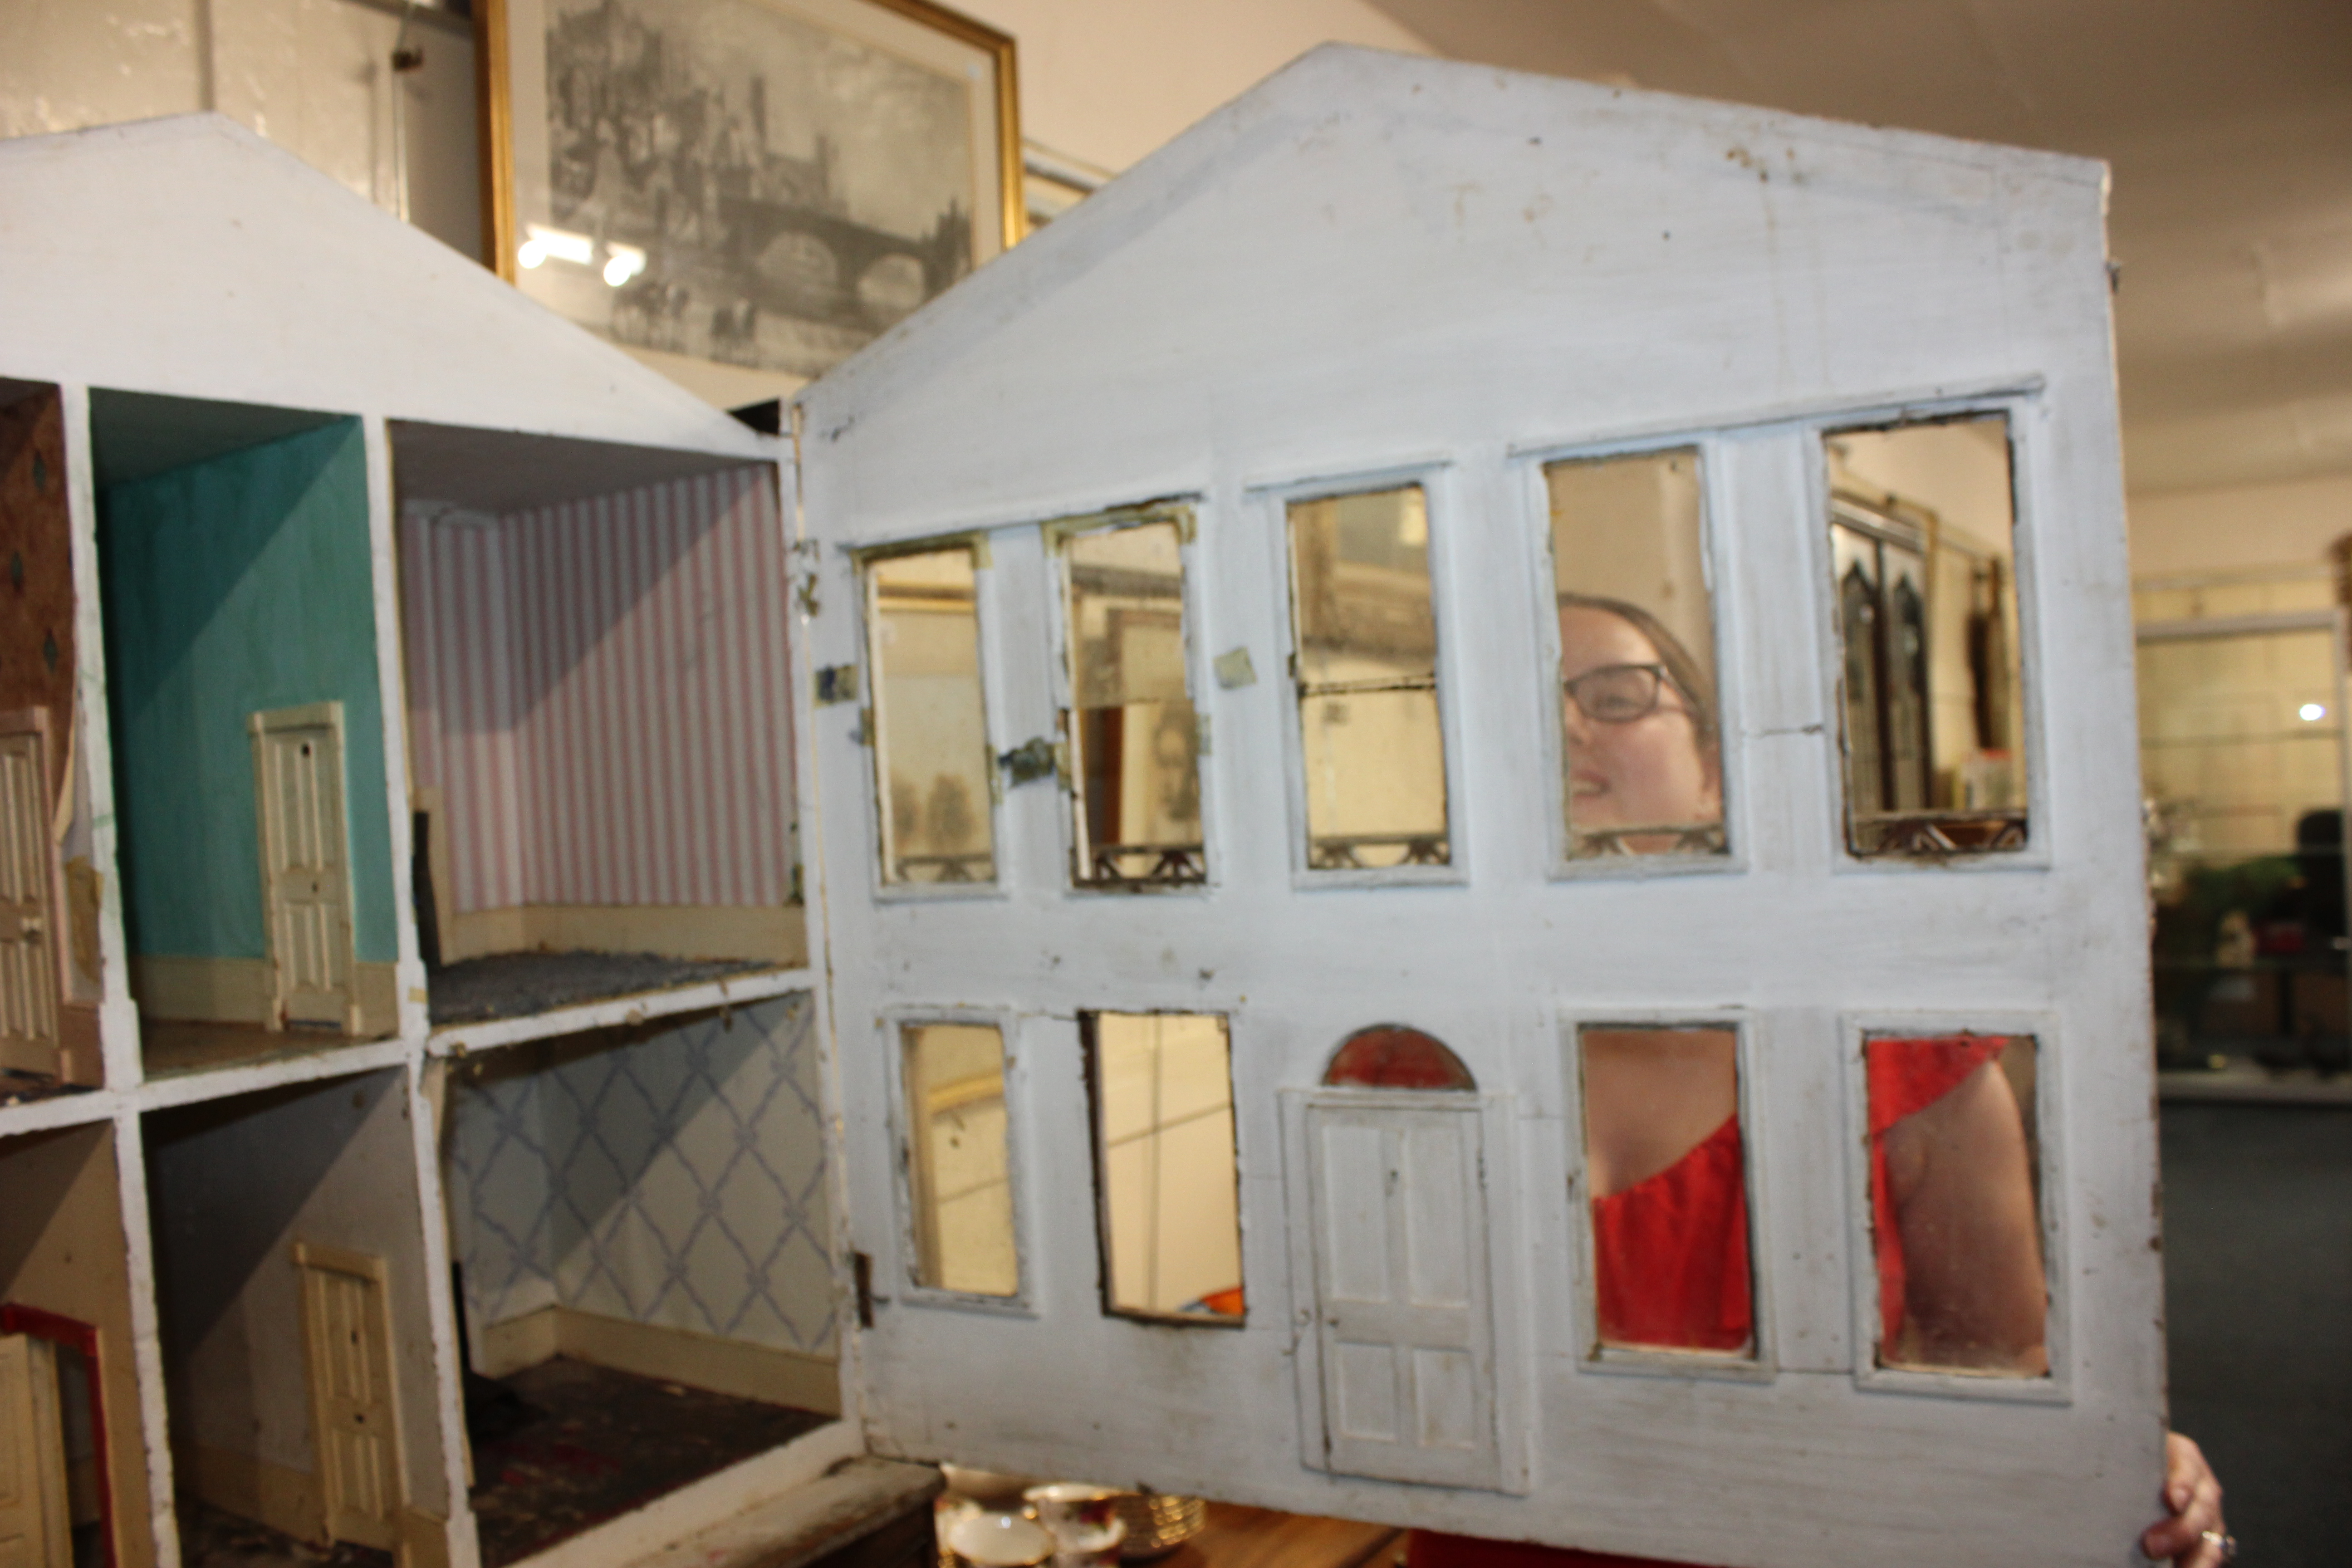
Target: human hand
{"x": 2194, "y": 1537}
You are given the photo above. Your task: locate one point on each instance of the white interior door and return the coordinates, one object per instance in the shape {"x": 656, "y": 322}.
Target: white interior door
{"x": 34, "y": 1530}
{"x": 28, "y": 925}
{"x": 298, "y": 766}
{"x": 354, "y": 1428}
{"x": 1403, "y": 1318}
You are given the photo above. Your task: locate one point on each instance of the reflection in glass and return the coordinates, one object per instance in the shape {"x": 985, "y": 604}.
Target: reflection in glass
{"x": 1665, "y": 1160}
{"x": 929, "y": 728}
{"x": 1922, "y": 526}
{"x": 1641, "y": 752}
{"x": 1134, "y": 741}
{"x": 1956, "y": 1204}
{"x": 2242, "y": 757}
{"x": 1164, "y": 1116}
{"x": 1367, "y": 672}
{"x": 958, "y": 1165}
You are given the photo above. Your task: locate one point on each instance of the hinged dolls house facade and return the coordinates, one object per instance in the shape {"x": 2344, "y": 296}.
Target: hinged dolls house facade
{"x": 1479, "y": 833}
{"x": 411, "y": 1062}
{"x": 1467, "y": 764}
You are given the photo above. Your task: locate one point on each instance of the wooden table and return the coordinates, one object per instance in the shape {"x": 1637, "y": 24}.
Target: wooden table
{"x": 1239, "y": 1537}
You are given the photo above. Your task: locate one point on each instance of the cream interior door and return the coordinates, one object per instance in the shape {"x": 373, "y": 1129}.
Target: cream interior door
{"x": 354, "y": 1427}
{"x": 1402, "y": 1321}
{"x": 28, "y": 926}
{"x": 34, "y": 1530}
{"x": 298, "y": 764}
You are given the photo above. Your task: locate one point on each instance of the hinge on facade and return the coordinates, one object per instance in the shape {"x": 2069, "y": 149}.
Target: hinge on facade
{"x": 861, "y": 1266}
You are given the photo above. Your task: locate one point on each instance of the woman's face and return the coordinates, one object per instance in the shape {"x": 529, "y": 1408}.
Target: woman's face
{"x": 1644, "y": 771}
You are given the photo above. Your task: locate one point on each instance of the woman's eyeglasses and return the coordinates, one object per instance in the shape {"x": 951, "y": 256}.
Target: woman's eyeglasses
{"x": 1618, "y": 693}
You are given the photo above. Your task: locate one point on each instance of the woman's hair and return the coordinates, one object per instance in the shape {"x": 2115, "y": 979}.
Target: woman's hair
{"x": 1688, "y": 680}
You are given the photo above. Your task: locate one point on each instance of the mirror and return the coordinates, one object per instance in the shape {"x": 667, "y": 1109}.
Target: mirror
{"x": 1640, "y": 748}
{"x": 1922, "y": 534}
{"x": 1666, "y": 1166}
{"x": 1366, "y": 667}
{"x": 1955, "y": 1191}
{"x": 959, "y": 1164}
{"x": 1163, "y": 1103}
{"x": 1134, "y": 741}
{"x": 929, "y": 724}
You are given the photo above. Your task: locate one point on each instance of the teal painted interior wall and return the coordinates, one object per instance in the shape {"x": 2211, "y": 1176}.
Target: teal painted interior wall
{"x": 233, "y": 586}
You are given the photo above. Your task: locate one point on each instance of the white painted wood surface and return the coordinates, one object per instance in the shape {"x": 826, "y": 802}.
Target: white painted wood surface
{"x": 1375, "y": 264}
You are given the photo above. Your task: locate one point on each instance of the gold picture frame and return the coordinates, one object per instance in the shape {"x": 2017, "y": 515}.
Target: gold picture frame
{"x": 743, "y": 193}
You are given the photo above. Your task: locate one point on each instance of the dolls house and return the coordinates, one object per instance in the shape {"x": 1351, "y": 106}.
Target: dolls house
{"x": 1148, "y": 899}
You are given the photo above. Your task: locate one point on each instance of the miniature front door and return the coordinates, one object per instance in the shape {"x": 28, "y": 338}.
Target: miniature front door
{"x": 298, "y": 756}
{"x": 1337, "y": 705}
{"x": 28, "y": 925}
{"x": 1403, "y": 1329}
{"x": 35, "y": 1531}
{"x": 347, "y": 1360}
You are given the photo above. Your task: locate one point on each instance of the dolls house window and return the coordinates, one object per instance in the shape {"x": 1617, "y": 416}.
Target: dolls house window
{"x": 1955, "y": 1212}
{"x": 1169, "y": 1191}
{"x": 1389, "y": 1056}
{"x": 1665, "y": 1166}
{"x": 1922, "y": 546}
{"x": 1640, "y": 753}
{"x": 958, "y": 1158}
{"x": 1364, "y": 660}
{"x": 1135, "y": 773}
{"x": 930, "y": 726}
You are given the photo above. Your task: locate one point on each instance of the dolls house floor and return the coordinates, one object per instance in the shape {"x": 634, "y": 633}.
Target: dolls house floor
{"x": 518, "y": 984}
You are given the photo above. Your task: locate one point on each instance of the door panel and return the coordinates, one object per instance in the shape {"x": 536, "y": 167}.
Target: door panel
{"x": 298, "y": 764}
{"x": 34, "y": 1530}
{"x": 28, "y": 926}
{"x": 355, "y": 1433}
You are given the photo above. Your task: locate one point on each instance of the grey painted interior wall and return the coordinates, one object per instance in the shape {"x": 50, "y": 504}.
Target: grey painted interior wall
{"x": 234, "y": 1185}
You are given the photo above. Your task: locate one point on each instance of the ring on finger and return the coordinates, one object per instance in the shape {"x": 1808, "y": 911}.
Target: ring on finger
{"x": 2221, "y": 1540}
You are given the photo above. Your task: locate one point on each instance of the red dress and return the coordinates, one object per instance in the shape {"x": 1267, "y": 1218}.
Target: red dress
{"x": 1671, "y": 1257}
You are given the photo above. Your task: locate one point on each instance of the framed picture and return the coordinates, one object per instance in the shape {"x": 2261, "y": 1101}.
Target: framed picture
{"x": 743, "y": 193}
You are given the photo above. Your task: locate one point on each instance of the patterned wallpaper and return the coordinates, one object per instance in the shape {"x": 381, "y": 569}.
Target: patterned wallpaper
{"x": 672, "y": 1176}
{"x": 599, "y": 690}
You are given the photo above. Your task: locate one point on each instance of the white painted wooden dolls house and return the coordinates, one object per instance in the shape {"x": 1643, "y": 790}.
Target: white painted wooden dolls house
{"x": 1455, "y": 665}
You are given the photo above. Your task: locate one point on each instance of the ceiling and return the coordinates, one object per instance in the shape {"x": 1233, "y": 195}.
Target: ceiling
{"x": 2227, "y": 124}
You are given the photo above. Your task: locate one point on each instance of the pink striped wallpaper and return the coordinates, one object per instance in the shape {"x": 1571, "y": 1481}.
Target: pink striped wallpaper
{"x": 599, "y": 691}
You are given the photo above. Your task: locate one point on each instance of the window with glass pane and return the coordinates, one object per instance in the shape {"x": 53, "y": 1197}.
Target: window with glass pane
{"x": 1134, "y": 740}
{"x": 1170, "y": 1190}
{"x": 1641, "y": 740}
{"x": 958, "y": 1165}
{"x": 1923, "y": 544}
{"x": 929, "y": 727}
{"x": 1955, "y": 1204}
{"x": 2241, "y": 759}
{"x": 1366, "y": 667}
{"x": 1668, "y": 1174}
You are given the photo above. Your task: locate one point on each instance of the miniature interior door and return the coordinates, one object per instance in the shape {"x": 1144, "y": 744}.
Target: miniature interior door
{"x": 28, "y": 923}
{"x": 347, "y": 1361}
{"x": 35, "y": 1531}
{"x": 298, "y": 756}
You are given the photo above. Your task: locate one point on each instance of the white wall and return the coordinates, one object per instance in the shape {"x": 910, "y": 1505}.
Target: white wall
{"x": 2180, "y": 533}
{"x": 1109, "y": 80}
{"x": 313, "y": 76}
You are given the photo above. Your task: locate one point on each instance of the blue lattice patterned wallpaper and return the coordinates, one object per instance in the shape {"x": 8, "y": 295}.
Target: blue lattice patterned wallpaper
{"x": 672, "y": 1176}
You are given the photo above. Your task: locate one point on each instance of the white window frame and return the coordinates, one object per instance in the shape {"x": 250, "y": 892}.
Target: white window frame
{"x": 1763, "y": 1366}
{"x": 983, "y": 578}
{"x": 1717, "y": 543}
{"x": 907, "y": 1279}
{"x": 2024, "y": 410}
{"x": 1184, "y": 511}
{"x": 1442, "y": 494}
{"x": 2057, "y": 1388}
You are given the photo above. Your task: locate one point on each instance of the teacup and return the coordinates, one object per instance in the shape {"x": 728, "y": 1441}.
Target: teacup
{"x": 992, "y": 1540}
{"x": 1084, "y": 1519}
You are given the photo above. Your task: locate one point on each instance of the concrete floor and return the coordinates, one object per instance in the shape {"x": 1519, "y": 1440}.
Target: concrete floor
{"x": 2258, "y": 1286}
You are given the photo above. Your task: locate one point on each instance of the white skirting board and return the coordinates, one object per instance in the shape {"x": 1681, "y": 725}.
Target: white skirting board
{"x": 238, "y": 991}
{"x": 650, "y": 1349}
